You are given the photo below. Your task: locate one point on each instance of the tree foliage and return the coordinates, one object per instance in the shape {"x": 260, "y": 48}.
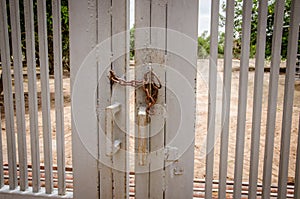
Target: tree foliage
{"x": 254, "y": 23}
{"x": 204, "y": 45}
{"x": 132, "y": 31}
{"x": 64, "y": 32}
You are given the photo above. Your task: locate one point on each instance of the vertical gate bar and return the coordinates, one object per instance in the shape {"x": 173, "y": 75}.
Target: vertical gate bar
{"x": 1, "y": 154}
{"x": 257, "y": 98}
{"x": 272, "y": 97}
{"x": 293, "y": 42}
{"x": 182, "y": 29}
{"x": 104, "y": 33}
{"x": 8, "y": 97}
{"x": 142, "y": 41}
{"x": 19, "y": 92}
{"x": 226, "y": 97}
{"x": 297, "y": 173}
{"x": 120, "y": 63}
{"x": 83, "y": 38}
{"x": 128, "y": 93}
{"x": 242, "y": 103}
{"x": 157, "y": 57}
{"x": 32, "y": 95}
{"x": 47, "y": 133}
{"x": 59, "y": 96}
{"x": 212, "y": 97}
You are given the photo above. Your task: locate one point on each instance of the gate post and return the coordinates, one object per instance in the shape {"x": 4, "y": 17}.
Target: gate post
{"x": 82, "y": 40}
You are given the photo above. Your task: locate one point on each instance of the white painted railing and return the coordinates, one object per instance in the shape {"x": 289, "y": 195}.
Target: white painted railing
{"x": 14, "y": 184}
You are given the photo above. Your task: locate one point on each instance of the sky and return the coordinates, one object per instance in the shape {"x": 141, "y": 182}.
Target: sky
{"x": 204, "y": 15}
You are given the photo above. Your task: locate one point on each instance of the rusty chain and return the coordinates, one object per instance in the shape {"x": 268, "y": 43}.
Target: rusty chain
{"x": 150, "y": 85}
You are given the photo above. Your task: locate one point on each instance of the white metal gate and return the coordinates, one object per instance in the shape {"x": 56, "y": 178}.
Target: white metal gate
{"x": 133, "y": 126}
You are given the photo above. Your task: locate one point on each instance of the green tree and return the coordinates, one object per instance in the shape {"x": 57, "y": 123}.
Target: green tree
{"x": 221, "y": 44}
{"x": 64, "y": 32}
{"x": 254, "y": 21}
{"x": 132, "y": 31}
{"x": 204, "y": 45}
{"x": 285, "y": 32}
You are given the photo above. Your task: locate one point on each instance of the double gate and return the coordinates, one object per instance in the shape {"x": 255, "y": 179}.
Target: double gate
{"x": 162, "y": 84}
{"x": 133, "y": 127}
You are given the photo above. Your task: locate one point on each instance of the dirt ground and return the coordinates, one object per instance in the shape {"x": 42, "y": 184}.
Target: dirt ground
{"x": 67, "y": 119}
{"x": 201, "y": 123}
{"x": 201, "y": 127}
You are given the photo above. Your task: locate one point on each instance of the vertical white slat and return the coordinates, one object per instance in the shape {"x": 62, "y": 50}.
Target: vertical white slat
{"x": 128, "y": 94}
{"x": 8, "y": 97}
{"x": 151, "y": 33}
{"x": 297, "y": 173}
{"x": 112, "y": 36}
{"x": 226, "y": 97}
{"x": 272, "y": 97}
{"x": 212, "y": 96}
{"x": 112, "y": 46}
{"x": 83, "y": 36}
{"x": 43, "y": 56}
{"x": 293, "y": 43}
{"x": 182, "y": 28}
{"x": 32, "y": 94}
{"x": 257, "y": 98}
{"x": 150, "y": 55}
{"x": 1, "y": 154}
{"x": 157, "y": 128}
{"x": 59, "y": 96}
{"x": 19, "y": 91}
{"x": 120, "y": 64}
{"x": 142, "y": 41}
{"x": 242, "y": 103}
{"x": 104, "y": 92}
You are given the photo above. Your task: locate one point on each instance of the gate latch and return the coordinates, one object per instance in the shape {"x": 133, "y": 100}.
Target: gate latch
{"x": 150, "y": 85}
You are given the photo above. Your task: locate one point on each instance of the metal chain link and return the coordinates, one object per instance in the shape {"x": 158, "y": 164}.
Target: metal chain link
{"x": 150, "y": 85}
